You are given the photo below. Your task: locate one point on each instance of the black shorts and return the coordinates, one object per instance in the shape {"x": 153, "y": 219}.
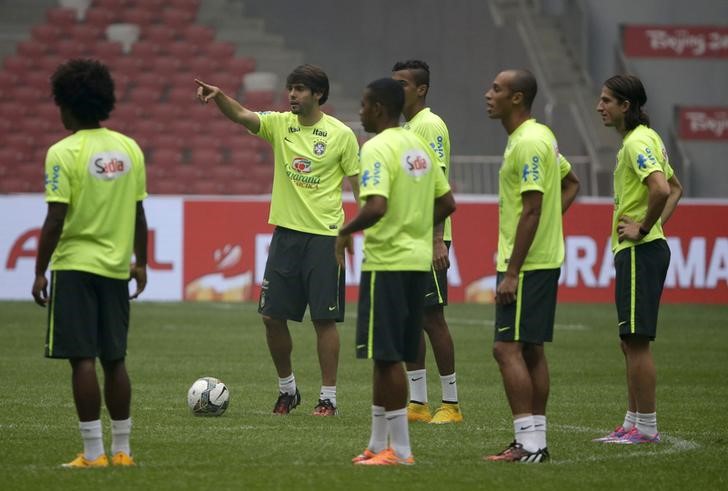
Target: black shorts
{"x": 436, "y": 292}
{"x": 641, "y": 272}
{"x": 390, "y": 315}
{"x": 88, "y": 316}
{"x": 530, "y": 319}
{"x": 302, "y": 270}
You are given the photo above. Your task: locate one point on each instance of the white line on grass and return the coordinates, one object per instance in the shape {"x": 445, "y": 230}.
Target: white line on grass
{"x": 669, "y": 445}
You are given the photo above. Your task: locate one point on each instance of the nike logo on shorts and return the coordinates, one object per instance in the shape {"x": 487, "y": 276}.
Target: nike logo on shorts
{"x": 503, "y": 329}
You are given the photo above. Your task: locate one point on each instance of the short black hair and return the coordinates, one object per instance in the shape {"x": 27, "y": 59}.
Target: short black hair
{"x": 389, "y": 93}
{"x": 85, "y": 88}
{"x": 630, "y": 88}
{"x": 525, "y": 82}
{"x": 312, "y": 77}
{"x": 420, "y": 70}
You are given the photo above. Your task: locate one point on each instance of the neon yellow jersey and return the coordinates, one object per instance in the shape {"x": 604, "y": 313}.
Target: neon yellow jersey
{"x": 310, "y": 165}
{"x": 531, "y": 162}
{"x": 400, "y": 166}
{"x": 431, "y": 128}
{"x": 100, "y": 174}
{"x": 642, "y": 153}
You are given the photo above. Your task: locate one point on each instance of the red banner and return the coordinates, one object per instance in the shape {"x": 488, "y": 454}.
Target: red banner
{"x": 226, "y": 245}
{"x": 650, "y": 41}
{"x": 703, "y": 123}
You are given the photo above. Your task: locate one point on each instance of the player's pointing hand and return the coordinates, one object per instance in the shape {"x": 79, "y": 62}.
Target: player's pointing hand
{"x": 206, "y": 92}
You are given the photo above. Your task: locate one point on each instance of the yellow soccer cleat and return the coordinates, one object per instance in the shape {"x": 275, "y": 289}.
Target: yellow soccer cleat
{"x": 80, "y": 462}
{"x": 447, "y": 413}
{"x": 418, "y": 412}
{"x": 122, "y": 459}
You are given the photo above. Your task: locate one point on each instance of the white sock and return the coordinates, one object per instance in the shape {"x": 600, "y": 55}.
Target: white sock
{"x": 647, "y": 423}
{"x": 449, "y": 388}
{"x": 328, "y": 392}
{"x": 93, "y": 443}
{"x": 630, "y": 420}
{"x": 398, "y": 431}
{"x": 539, "y": 427}
{"x": 378, "y": 439}
{"x": 120, "y": 431}
{"x": 287, "y": 385}
{"x": 418, "y": 385}
{"x": 525, "y": 434}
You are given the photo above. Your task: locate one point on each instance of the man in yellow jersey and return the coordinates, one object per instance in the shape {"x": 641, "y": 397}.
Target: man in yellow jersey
{"x": 414, "y": 76}
{"x": 535, "y": 187}
{"x": 313, "y": 153}
{"x": 94, "y": 185}
{"x": 646, "y": 192}
{"x": 402, "y": 195}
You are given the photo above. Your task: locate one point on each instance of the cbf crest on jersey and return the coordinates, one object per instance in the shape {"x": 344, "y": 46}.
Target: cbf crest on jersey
{"x": 319, "y": 147}
{"x": 416, "y": 163}
{"x": 108, "y": 166}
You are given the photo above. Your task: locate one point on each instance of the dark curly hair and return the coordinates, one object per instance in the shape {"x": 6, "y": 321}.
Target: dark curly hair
{"x": 389, "y": 93}
{"x": 85, "y": 88}
{"x": 420, "y": 70}
{"x": 312, "y": 77}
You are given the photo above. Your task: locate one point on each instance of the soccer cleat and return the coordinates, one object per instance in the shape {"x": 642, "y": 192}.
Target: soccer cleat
{"x": 634, "y": 437}
{"x": 418, "y": 411}
{"x": 80, "y": 462}
{"x": 325, "y": 408}
{"x": 122, "y": 459}
{"x": 618, "y": 433}
{"x": 516, "y": 453}
{"x": 286, "y": 402}
{"x": 447, "y": 413}
{"x": 365, "y": 455}
{"x": 387, "y": 457}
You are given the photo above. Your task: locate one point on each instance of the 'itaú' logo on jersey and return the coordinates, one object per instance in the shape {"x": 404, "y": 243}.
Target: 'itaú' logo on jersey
{"x": 108, "y": 166}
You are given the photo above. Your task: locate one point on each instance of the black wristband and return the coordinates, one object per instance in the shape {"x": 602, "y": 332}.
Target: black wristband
{"x": 643, "y": 232}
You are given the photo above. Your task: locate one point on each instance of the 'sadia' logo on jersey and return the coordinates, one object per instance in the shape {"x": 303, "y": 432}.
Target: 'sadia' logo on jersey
{"x": 416, "y": 163}
{"x": 108, "y": 166}
{"x": 301, "y": 165}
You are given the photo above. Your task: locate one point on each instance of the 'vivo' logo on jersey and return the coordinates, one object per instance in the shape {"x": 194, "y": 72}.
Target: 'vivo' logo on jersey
{"x": 108, "y": 166}
{"x": 54, "y": 178}
{"x": 531, "y": 171}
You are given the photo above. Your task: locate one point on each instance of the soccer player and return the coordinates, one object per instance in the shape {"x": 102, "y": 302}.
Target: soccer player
{"x": 646, "y": 192}
{"x": 94, "y": 185}
{"x": 535, "y": 186}
{"x": 402, "y": 195}
{"x": 313, "y": 152}
{"x": 414, "y": 76}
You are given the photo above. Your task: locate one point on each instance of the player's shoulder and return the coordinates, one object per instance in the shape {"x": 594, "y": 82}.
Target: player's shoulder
{"x": 642, "y": 136}
{"x": 335, "y": 124}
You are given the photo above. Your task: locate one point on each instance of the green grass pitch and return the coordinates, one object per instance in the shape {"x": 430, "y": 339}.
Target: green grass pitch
{"x": 248, "y": 448}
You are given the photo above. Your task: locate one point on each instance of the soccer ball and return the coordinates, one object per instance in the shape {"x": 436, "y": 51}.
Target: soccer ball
{"x": 208, "y": 396}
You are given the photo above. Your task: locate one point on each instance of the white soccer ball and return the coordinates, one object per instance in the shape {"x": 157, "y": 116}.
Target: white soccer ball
{"x": 208, "y": 396}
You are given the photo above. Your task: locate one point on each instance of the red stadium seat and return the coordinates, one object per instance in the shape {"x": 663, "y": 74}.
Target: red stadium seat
{"x": 182, "y": 95}
{"x": 17, "y": 64}
{"x": 205, "y": 157}
{"x": 61, "y": 17}
{"x": 166, "y": 157}
{"x": 85, "y": 33}
{"x": 9, "y": 105}
{"x": 148, "y": 128}
{"x": 260, "y": 99}
{"x": 184, "y": 128}
{"x": 30, "y": 95}
{"x": 240, "y": 66}
{"x": 177, "y": 19}
{"x": 114, "y": 4}
{"x": 165, "y": 140}
{"x": 144, "y": 95}
{"x": 68, "y": 48}
{"x": 159, "y": 34}
{"x": 207, "y": 186}
{"x": 107, "y": 51}
{"x": 186, "y": 5}
{"x": 100, "y": 17}
{"x": 200, "y": 66}
{"x": 48, "y": 63}
{"x": 150, "y": 80}
{"x": 32, "y": 48}
{"x": 166, "y": 65}
{"x": 128, "y": 65}
{"x": 245, "y": 158}
{"x": 8, "y": 79}
{"x": 38, "y": 80}
{"x": 219, "y": 51}
{"x": 199, "y": 35}
{"x": 180, "y": 49}
{"x": 140, "y": 16}
{"x": 46, "y": 33}
{"x": 145, "y": 49}
{"x": 164, "y": 186}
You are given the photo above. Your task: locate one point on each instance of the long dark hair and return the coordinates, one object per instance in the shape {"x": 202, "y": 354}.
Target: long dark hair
{"x": 630, "y": 88}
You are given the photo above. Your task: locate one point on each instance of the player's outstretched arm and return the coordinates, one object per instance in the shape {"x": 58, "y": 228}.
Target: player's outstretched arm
{"x": 228, "y": 106}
